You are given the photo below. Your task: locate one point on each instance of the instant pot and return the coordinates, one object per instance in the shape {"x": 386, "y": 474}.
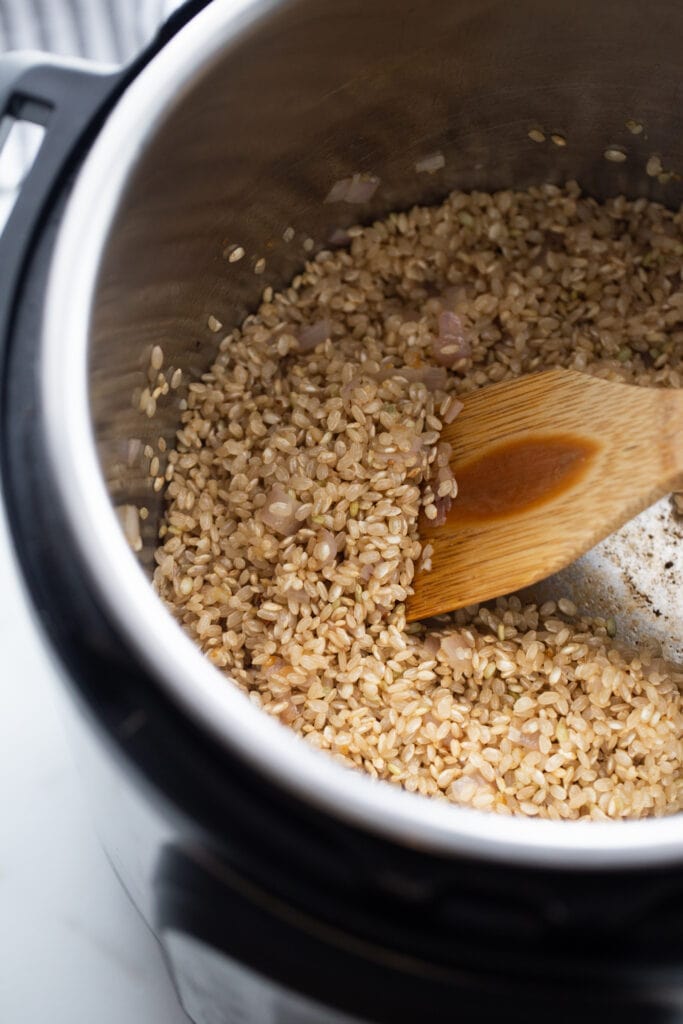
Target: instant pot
{"x": 284, "y": 888}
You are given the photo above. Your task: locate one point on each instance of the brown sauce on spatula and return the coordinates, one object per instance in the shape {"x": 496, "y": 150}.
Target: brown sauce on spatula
{"x": 517, "y": 476}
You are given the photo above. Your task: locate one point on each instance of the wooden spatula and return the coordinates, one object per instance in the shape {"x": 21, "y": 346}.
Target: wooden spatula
{"x": 546, "y": 466}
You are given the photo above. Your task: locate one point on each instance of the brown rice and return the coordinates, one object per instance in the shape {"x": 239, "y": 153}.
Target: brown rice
{"x": 307, "y": 451}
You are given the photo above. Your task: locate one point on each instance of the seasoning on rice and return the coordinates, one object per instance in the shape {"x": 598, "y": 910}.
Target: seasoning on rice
{"x": 306, "y": 453}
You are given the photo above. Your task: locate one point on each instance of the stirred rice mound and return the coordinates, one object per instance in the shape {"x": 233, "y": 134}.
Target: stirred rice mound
{"x": 308, "y": 450}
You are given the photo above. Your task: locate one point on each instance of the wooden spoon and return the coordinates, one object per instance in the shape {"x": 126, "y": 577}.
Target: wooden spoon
{"x": 547, "y": 466}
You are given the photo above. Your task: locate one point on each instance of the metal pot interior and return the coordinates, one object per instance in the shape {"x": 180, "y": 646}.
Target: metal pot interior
{"x": 311, "y": 94}
{"x": 296, "y": 95}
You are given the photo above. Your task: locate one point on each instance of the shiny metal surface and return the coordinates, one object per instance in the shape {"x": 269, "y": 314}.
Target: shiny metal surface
{"x": 234, "y": 134}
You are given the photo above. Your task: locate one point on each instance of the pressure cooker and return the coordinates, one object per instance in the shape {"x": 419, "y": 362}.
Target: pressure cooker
{"x": 282, "y": 887}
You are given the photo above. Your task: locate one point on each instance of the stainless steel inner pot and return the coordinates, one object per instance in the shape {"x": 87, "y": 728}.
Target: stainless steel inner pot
{"x": 232, "y": 137}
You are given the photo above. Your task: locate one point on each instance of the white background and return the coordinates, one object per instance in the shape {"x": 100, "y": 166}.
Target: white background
{"x": 73, "y": 950}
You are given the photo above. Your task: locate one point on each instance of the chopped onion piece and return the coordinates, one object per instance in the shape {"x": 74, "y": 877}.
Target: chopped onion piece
{"x": 441, "y": 473}
{"x": 456, "y": 654}
{"x": 464, "y": 789}
{"x": 129, "y": 518}
{"x": 272, "y": 667}
{"x": 359, "y": 188}
{"x": 431, "y": 163}
{"x": 443, "y": 507}
{"x": 445, "y": 475}
{"x": 524, "y": 739}
{"x": 312, "y": 335}
{"x": 279, "y": 511}
{"x": 450, "y": 347}
{"x": 134, "y": 450}
{"x": 339, "y": 236}
{"x": 298, "y": 597}
{"x": 433, "y": 377}
{"x": 430, "y": 646}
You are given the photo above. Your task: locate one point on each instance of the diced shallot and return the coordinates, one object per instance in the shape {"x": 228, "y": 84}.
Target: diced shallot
{"x": 444, "y": 452}
{"x": 430, "y": 164}
{"x": 298, "y": 597}
{"x": 523, "y": 739}
{"x": 272, "y": 667}
{"x": 339, "y": 237}
{"x": 310, "y": 336}
{"x": 442, "y": 480}
{"x": 443, "y": 507}
{"x": 279, "y": 511}
{"x": 464, "y": 789}
{"x": 457, "y": 656}
{"x": 359, "y": 188}
{"x": 129, "y": 518}
{"x": 450, "y": 347}
{"x": 433, "y": 377}
{"x": 430, "y": 647}
{"x": 445, "y": 476}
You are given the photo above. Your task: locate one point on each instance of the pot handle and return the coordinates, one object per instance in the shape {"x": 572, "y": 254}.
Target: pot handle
{"x": 64, "y": 97}
{"x": 57, "y": 93}
{"x": 69, "y": 97}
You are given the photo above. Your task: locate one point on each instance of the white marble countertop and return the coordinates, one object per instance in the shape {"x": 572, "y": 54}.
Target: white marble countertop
{"x": 73, "y": 950}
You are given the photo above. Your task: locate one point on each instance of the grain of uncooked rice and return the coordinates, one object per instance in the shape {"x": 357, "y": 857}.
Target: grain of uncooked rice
{"x": 290, "y": 536}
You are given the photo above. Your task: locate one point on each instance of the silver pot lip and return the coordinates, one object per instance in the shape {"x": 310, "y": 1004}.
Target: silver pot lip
{"x": 173, "y": 660}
